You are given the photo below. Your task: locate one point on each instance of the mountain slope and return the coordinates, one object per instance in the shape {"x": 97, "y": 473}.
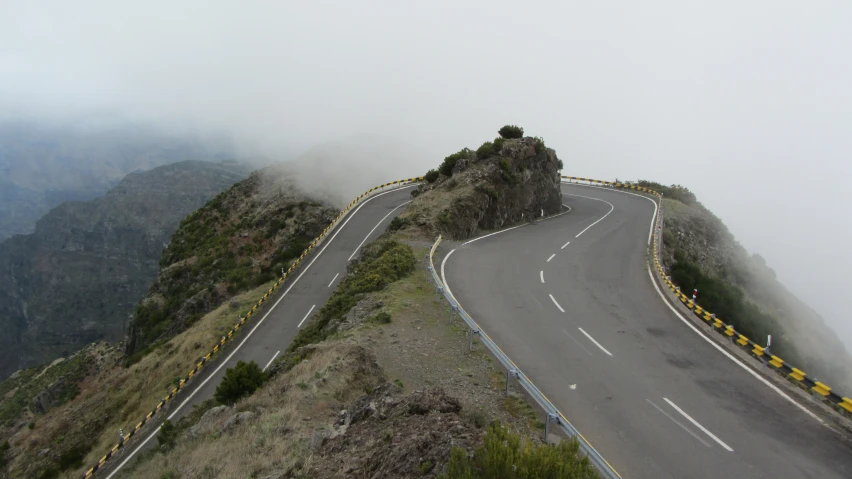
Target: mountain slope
{"x": 241, "y": 238}
{"x": 77, "y": 277}
{"x": 43, "y": 165}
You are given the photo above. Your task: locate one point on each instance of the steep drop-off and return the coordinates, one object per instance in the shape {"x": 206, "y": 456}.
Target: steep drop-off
{"x": 76, "y": 279}
{"x": 700, "y": 252}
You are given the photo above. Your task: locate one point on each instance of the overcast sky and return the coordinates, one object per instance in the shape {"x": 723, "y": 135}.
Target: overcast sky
{"x": 749, "y": 104}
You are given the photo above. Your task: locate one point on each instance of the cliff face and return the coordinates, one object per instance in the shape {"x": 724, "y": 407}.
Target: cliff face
{"x": 514, "y": 182}
{"x": 240, "y": 239}
{"x": 76, "y": 279}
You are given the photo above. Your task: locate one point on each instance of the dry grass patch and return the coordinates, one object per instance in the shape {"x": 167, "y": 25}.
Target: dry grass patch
{"x": 117, "y": 398}
{"x": 286, "y": 414}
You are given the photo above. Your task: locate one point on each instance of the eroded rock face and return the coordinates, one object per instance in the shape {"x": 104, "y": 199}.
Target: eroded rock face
{"x": 519, "y": 184}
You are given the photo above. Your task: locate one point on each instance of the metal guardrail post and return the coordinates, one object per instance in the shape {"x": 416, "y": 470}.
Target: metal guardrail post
{"x": 510, "y": 373}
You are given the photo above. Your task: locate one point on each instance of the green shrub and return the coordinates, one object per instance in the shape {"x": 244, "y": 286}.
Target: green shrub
{"x": 673, "y": 192}
{"x": 488, "y": 190}
{"x": 485, "y": 151}
{"x": 728, "y": 302}
{"x": 431, "y": 176}
{"x": 504, "y": 455}
{"x": 511, "y": 131}
{"x": 498, "y": 145}
{"x": 397, "y": 224}
{"x": 449, "y": 163}
{"x": 668, "y": 238}
{"x": 3, "y": 448}
{"x": 381, "y": 263}
{"x": 506, "y": 171}
{"x": 73, "y": 458}
{"x": 239, "y": 381}
{"x": 426, "y": 467}
{"x": 167, "y": 436}
{"x": 381, "y": 318}
{"x": 539, "y": 145}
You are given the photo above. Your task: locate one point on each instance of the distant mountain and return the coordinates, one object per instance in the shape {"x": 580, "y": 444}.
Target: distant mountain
{"x": 43, "y": 165}
{"x": 76, "y": 279}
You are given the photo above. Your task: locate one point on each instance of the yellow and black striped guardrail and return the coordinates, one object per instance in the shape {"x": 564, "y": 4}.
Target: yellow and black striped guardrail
{"x": 228, "y": 337}
{"x": 818, "y": 389}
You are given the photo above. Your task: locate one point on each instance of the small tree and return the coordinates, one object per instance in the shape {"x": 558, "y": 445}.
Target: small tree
{"x": 511, "y": 131}
{"x": 485, "y": 151}
{"x": 431, "y": 176}
{"x": 449, "y": 163}
{"x": 239, "y": 381}
{"x": 167, "y": 435}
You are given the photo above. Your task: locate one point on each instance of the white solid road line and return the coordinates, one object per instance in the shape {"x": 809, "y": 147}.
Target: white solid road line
{"x": 374, "y": 229}
{"x": 306, "y": 316}
{"x": 697, "y": 331}
{"x": 541, "y": 275}
{"x": 332, "y": 280}
{"x": 593, "y": 340}
{"x": 270, "y": 361}
{"x": 611, "y": 209}
{"x": 702, "y": 441}
{"x": 651, "y": 232}
{"x": 513, "y": 227}
{"x": 699, "y": 426}
{"x": 551, "y": 257}
{"x": 240, "y": 345}
{"x": 552, "y": 299}
{"x": 730, "y": 356}
{"x": 566, "y": 244}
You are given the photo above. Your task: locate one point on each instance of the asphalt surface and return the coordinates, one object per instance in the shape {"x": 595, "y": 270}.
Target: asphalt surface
{"x": 650, "y": 394}
{"x": 268, "y": 334}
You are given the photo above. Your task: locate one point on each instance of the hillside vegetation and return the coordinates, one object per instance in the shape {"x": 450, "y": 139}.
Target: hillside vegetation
{"x": 242, "y": 238}
{"x": 700, "y": 252}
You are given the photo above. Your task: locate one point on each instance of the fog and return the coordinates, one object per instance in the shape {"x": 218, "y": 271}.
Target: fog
{"x": 746, "y": 103}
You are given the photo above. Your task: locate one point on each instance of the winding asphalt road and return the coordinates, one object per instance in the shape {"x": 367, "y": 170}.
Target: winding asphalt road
{"x": 265, "y": 338}
{"x": 571, "y": 301}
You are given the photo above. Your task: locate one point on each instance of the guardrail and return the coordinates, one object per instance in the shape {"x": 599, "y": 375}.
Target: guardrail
{"x": 553, "y": 414}
{"x": 230, "y": 335}
{"x": 819, "y": 390}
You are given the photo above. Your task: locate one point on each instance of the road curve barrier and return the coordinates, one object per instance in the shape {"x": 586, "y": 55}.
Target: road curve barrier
{"x": 818, "y": 390}
{"x": 553, "y": 415}
{"x": 242, "y": 321}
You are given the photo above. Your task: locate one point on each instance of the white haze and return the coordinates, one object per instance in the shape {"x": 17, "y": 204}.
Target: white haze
{"x": 746, "y": 103}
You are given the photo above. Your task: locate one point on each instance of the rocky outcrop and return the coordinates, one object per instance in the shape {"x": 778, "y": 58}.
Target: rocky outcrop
{"x": 392, "y": 436}
{"x": 517, "y": 184}
{"x": 76, "y": 279}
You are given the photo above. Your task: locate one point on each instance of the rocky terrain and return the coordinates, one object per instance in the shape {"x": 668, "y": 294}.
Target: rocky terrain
{"x": 500, "y": 184}
{"x": 43, "y": 165}
{"x": 76, "y": 278}
{"x": 696, "y": 236}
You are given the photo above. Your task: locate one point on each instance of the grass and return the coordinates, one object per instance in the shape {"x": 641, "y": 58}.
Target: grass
{"x": 279, "y": 437}
{"x": 118, "y": 398}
